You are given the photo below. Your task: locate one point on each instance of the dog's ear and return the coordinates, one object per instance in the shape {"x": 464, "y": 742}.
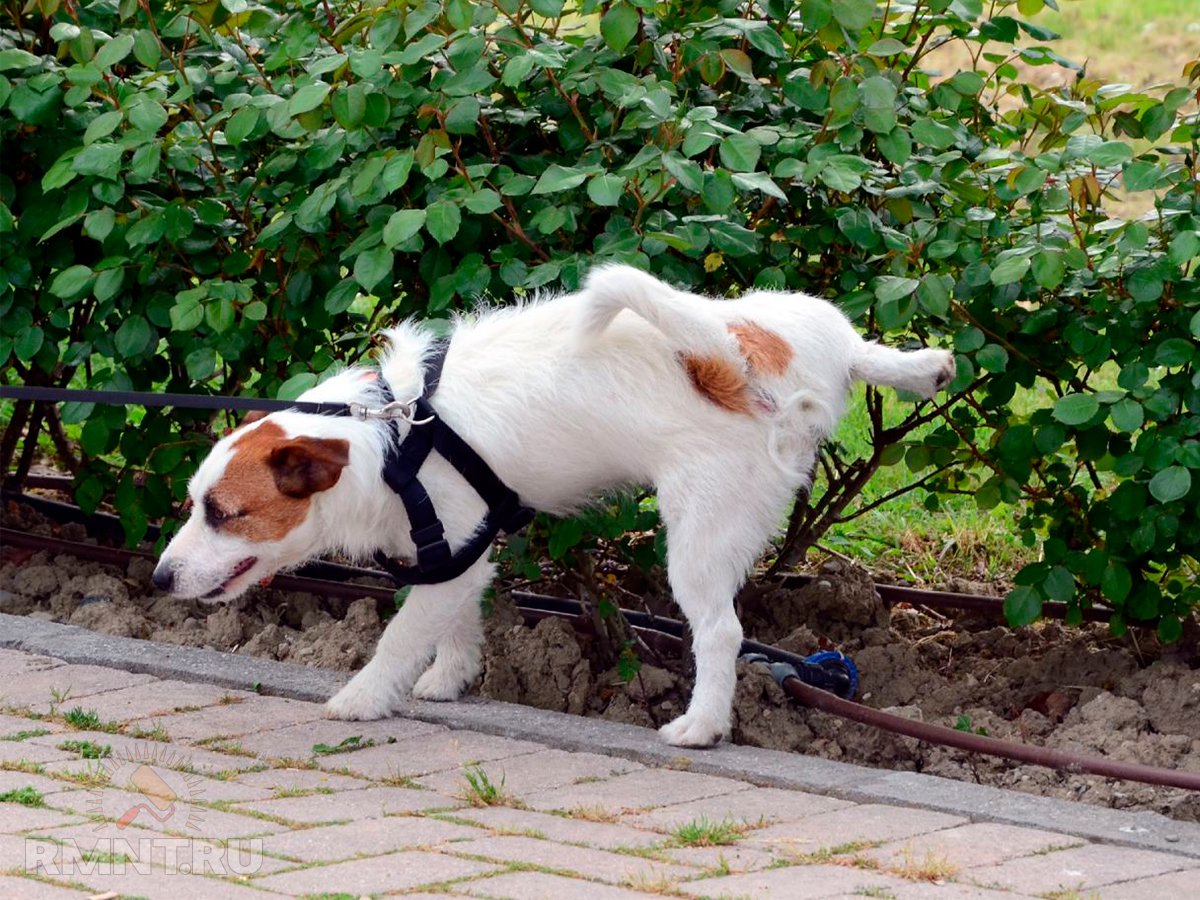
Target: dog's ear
{"x": 306, "y": 465}
{"x": 254, "y": 415}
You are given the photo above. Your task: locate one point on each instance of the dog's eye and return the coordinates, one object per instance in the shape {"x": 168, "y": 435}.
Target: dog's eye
{"x": 215, "y": 515}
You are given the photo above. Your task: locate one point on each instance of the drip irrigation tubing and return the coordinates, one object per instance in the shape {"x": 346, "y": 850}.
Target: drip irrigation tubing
{"x": 891, "y": 594}
{"x": 782, "y": 665}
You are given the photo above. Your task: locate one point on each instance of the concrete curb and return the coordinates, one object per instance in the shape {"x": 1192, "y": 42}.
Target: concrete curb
{"x": 1144, "y": 830}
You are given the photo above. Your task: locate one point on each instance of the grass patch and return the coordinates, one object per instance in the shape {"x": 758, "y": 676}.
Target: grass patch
{"x": 349, "y": 745}
{"x": 156, "y": 733}
{"x": 93, "y": 776}
{"x": 703, "y": 833}
{"x": 26, "y": 796}
{"x": 87, "y": 749}
{"x": 931, "y": 867}
{"x": 83, "y": 719}
{"x": 479, "y": 790}
{"x": 590, "y": 814}
{"x": 838, "y": 855}
{"x": 101, "y": 856}
{"x": 22, "y": 765}
{"x": 25, "y": 735}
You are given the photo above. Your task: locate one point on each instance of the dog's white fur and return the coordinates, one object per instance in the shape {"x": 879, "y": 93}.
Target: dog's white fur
{"x": 564, "y": 398}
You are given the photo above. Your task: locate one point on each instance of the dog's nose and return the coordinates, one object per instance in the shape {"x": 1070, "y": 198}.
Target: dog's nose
{"x": 163, "y": 577}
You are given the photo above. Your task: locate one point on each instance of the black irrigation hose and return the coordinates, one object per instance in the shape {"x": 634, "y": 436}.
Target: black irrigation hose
{"x": 782, "y": 665}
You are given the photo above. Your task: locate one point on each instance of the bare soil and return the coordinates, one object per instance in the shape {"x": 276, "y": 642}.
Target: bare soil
{"x": 1076, "y": 689}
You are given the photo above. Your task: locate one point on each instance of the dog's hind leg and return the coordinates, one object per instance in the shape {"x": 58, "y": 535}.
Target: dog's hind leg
{"x": 717, "y": 525}
{"x": 424, "y": 623}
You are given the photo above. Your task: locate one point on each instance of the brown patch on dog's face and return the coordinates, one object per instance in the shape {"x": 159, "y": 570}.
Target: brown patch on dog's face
{"x": 268, "y": 483}
{"x": 718, "y": 380}
{"x": 765, "y": 351}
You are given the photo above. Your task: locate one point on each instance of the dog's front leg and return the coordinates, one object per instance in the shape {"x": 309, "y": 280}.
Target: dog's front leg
{"x": 427, "y": 619}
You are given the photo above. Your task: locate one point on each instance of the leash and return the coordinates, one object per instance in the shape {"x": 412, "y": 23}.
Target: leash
{"x": 436, "y": 563}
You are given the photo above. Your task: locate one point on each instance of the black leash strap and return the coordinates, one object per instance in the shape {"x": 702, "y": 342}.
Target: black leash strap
{"x": 176, "y": 401}
{"x": 436, "y": 563}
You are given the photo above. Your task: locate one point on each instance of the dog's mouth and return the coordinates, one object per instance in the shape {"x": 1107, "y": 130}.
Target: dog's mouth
{"x": 238, "y": 571}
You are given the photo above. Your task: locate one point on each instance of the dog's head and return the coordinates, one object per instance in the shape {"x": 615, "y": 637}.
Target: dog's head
{"x": 252, "y": 511}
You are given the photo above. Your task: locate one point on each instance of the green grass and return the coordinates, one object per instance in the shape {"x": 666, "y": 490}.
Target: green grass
{"x": 903, "y": 537}
{"x": 479, "y": 789}
{"x": 87, "y": 749}
{"x": 703, "y": 833}
{"x": 84, "y": 720}
{"x": 26, "y": 796}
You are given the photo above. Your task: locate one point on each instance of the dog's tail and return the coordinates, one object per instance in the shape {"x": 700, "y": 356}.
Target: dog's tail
{"x": 685, "y": 320}
{"x": 923, "y": 372}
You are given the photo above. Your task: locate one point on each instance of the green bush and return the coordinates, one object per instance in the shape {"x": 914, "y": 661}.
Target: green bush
{"x": 230, "y": 196}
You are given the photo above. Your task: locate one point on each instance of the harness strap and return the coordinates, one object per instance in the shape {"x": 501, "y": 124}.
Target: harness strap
{"x": 436, "y": 562}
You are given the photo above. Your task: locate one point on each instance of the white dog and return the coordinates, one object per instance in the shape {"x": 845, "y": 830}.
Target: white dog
{"x": 720, "y": 404}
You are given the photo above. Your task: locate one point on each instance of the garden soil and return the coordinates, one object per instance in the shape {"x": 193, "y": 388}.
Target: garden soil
{"x": 1075, "y": 689}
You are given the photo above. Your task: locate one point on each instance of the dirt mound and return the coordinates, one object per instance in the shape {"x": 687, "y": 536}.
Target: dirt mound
{"x": 1075, "y": 689}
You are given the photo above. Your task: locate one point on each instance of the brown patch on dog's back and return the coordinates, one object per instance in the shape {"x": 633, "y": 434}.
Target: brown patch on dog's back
{"x": 723, "y": 383}
{"x": 719, "y": 380}
{"x": 266, "y": 463}
{"x": 766, "y": 352}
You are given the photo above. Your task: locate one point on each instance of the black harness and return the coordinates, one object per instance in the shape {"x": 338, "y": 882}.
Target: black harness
{"x": 436, "y": 563}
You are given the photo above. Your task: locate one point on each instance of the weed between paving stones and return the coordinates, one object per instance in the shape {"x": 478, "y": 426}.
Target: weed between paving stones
{"x": 1047, "y": 685}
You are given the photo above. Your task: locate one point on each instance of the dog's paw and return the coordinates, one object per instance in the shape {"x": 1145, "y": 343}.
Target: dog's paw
{"x": 937, "y": 369}
{"x": 357, "y": 703}
{"x": 692, "y": 730}
{"x": 440, "y": 684}
{"x": 947, "y": 373}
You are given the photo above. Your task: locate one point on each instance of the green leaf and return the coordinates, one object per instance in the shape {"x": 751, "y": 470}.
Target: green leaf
{"x": 17, "y": 59}
{"x": 1022, "y": 606}
{"x": 1141, "y": 175}
{"x": 886, "y": 47}
{"x": 442, "y": 221}
{"x": 1076, "y": 409}
{"x": 879, "y": 104}
{"x": 1111, "y": 153}
{"x": 992, "y": 358}
{"x": 240, "y": 124}
{"x": 201, "y": 364}
{"x": 186, "y": 314}
{"x": 558, "y": 178}
{"x": 1048, "y": 269}
{"x": 71, "y": 282}
{"x": 853, "y": 14}
{"x": 102, "y": 126}
{"x": 134, "y": 337}
{"x": 606, "y": 189}
{"x": 895, "y": 146}
{"x": 114, "y": 51}
{"x": 619, "y": 25}
{"x": 1010, "y": 269}
{"x": 296, "y": 385}
{"x": 1172, "y": 483}
{"x": 1116, "y": 582}
{"x": 891, "y": 288}
{"x": 483, "y": 201}
{"x": 401, "y": 226}
{"x": 148, "y": 115}
{"x": 306, "y": 98}
{"x": 102, "y": 159}
{"x": 933, "y": 134}
{"x": 740, "y": 152}
{"x": 1059, "y": 584}
{"x": 1127, "y": 415}
{"x": 372, "y": 266}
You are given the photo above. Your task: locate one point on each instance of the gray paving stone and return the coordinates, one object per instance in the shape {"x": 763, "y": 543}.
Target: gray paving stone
{"x": 393, "y": 872}
{"x": 13, "y": 725}
{"x": 368, "y": 837}
{"x": 232, "y": 720}
{"x": 15, "y": 781}
{"x": 190, "y": 855}
{"x": 33, "y": 690}
{"x": 532, "y": 773}
{"x": 435, "y": 752}
{"x": 156, "y": 885}
{"x": 183, "y": 818}
{"x": 1080, "y": 869}
{"x": 865, "y": 823}
{"x": 24, "y": 751}
{"x": 201, "y": 788}
{"x": 639, "y": 790}
{"x": 754, "y": 807}
{"x": 968, "y": 846}
{"x": 735, "y": 858}
{"x": 161, "y": 754}
{"x": 544, "y": 886}
{"x": 919, "y": 890}
{"x": 33, "y": 855}
{"x": 297, "y": 741}
{"x": 18, "y": 818}
{"x": 793, "y": 883}
{"x": 560, "y": 828}
{"x": 29, "y": 889}
{"x": 584, "y": 861}
{"x": 275, "y": 780}
{"x": 1183, "y": 884}
{"x": 156, "y": 699}
{"x": 18, "y": 662}
{"x": 370, "y": 803}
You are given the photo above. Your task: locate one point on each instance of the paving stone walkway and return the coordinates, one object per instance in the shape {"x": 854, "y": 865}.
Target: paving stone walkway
{"x": 119, "y": 785}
